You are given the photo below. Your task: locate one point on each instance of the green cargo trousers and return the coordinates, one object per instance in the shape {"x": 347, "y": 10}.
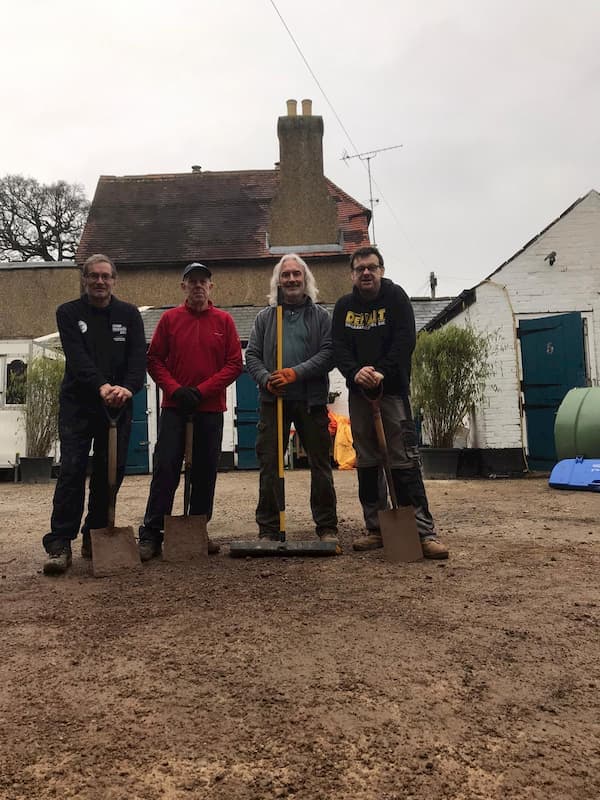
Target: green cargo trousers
{"x": 312, "y": 426}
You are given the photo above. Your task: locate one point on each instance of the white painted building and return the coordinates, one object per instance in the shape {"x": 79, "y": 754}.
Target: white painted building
{"x": 543, "y": 307}
{"x": 13, "y": 353}
{"x": 14, "y": 356}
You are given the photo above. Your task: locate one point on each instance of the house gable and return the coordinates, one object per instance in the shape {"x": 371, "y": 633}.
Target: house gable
{"x": 559, "y": 262}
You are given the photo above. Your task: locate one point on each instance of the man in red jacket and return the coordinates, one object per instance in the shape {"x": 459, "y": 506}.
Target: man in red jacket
{"x": 194, "y": 355}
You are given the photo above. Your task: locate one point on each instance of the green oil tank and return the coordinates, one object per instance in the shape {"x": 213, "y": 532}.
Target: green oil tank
{"x": 577, "y": 424}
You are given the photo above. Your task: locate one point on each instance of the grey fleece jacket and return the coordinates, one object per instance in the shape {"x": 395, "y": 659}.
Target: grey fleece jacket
{"x": 261, "y": 356}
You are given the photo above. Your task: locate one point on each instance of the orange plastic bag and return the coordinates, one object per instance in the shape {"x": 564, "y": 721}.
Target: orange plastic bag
{"x": 332, "y": 422}
{"x": 343, "y": 446}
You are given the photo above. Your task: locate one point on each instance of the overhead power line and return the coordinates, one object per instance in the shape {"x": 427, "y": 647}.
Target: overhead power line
{"x": 316, "y": 80}
{"x": 345, "y": 130}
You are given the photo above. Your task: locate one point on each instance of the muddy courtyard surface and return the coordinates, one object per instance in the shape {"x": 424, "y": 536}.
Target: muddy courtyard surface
{"x": 343, "y": 677}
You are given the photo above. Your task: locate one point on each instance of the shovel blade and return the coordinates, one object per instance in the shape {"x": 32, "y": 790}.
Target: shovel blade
{"x": 185, "y": 538}
{"x": 401, "y": 542}
{"x": 114, "y": 550}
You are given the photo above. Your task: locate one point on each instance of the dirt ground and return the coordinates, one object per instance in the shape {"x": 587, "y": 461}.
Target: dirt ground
{"x": 343, "y": 677}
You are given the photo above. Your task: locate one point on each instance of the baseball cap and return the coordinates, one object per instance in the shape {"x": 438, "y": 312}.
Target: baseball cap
{"x": 195, "y": 265}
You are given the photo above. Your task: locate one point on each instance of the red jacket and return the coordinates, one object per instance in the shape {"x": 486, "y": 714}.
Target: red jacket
{"x": 195, "y": 349}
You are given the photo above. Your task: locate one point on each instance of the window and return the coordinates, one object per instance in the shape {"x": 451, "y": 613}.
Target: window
{"x": 16, "y": 382}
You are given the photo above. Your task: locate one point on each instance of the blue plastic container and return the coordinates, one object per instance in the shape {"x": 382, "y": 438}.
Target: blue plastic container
{"x": 576, "y": 473}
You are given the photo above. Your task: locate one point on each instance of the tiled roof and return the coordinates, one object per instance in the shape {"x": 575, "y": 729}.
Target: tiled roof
{"x": 170, "y": 219}
{"x": 243, "y": 316}
{"x": 425, "y": 309}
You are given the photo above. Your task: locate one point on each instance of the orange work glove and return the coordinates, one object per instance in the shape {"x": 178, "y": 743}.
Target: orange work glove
{"x": 278, "y": 391}
{"x": 281, "y": 377}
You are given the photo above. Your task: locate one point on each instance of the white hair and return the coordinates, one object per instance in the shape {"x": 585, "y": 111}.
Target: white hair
{"x": 310, "y": 285}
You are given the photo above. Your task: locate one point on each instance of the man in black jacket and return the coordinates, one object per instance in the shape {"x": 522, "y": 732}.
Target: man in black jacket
{"x": 374, "y": 338}
{"x": 105, "y": 350}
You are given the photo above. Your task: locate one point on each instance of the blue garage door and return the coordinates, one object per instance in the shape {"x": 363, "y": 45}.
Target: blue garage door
{"x": 552, "y": 352}
{"x": 246, "y": 419}
{"x": 137, "y": 454}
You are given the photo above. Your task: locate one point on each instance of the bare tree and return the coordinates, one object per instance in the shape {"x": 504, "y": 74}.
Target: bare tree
{"x": 40, "y": 222}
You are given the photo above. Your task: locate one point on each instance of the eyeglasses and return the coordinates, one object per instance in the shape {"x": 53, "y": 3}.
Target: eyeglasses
{"x": 366, "y": 268}
{"x": 97, "y": 276}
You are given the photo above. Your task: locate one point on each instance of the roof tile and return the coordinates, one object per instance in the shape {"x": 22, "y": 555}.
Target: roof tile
{"x": 169, "y": 219}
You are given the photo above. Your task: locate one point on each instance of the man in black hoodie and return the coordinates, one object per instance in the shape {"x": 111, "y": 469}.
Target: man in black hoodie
{"x": 374, "y": 338}
{"x": 105, "y": 349}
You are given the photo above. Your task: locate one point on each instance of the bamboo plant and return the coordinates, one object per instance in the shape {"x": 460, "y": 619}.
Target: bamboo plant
{"x": 450, "y": 369}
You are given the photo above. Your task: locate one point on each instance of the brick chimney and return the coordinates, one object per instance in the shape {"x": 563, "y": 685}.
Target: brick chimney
{"x": 302, "y": 212}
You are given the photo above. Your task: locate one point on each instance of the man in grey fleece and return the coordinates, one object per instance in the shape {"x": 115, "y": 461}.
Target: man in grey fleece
{"x": 304, "y": 384}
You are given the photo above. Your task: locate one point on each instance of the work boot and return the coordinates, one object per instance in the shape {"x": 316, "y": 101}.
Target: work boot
{"x": 265, "y": 536}
{"x": 86, "y": 545}
{"x": 213, "y": 547}
{"x": 433, "y": 548}
{"x": 328, "y": 535}
{"x": 372, "y": 541}
{"x": 149, "y": 549}
{"x": 59, "y": 560}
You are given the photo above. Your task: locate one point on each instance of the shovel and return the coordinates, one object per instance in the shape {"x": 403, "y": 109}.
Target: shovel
{"x": 186, "y": 537}
{"x": 401, "y": 541}
{"x": 113, "y": 549}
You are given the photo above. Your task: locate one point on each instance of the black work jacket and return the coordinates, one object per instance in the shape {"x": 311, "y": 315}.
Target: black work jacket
{"x": 127, "y": 343}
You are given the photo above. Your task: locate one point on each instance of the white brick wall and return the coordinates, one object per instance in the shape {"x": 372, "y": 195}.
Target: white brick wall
{"x": 496, "y": 422}
{"x": 530, "y": 287}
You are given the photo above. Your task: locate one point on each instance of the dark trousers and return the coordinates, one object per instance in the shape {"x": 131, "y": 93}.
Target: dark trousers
{"x": 78, "y": 428}
{"x": 168, "y": 460}
{"x": 410, "y": 491}
{"x": 403, "y": 452}
{"x": 312, "y": 426}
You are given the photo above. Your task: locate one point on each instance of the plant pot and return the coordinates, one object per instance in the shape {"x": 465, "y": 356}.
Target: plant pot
{"x": 469, "y": 463}
{"x": 440, "y": 463}
{"x": 36, "y": 469}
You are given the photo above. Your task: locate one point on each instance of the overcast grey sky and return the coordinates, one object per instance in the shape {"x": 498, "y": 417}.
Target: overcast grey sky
{"x": 496, "y": 104}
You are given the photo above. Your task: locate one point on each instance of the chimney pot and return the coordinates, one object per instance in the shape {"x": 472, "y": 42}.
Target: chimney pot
{"x": 292, "y": 107}
{"x": 307, "y": 108}
{"x": 196, "y": 168}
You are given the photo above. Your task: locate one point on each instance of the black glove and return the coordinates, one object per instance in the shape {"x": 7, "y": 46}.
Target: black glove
{"x": 187, "y": 399}
{"x": 374, "y": 393}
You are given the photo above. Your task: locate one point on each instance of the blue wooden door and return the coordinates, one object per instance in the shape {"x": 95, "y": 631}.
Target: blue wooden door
{"x": 246, "y": 419}
{"x": 137, "y": 454}
{"x": 552, "y": 352}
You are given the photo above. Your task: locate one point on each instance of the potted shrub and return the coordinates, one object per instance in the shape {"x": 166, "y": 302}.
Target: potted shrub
{"x": 41, "y": 389}
{"x": 450, "y": 368}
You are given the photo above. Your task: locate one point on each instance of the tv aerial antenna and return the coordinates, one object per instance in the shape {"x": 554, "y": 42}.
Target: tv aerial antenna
{"x": 368, "y": 156}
